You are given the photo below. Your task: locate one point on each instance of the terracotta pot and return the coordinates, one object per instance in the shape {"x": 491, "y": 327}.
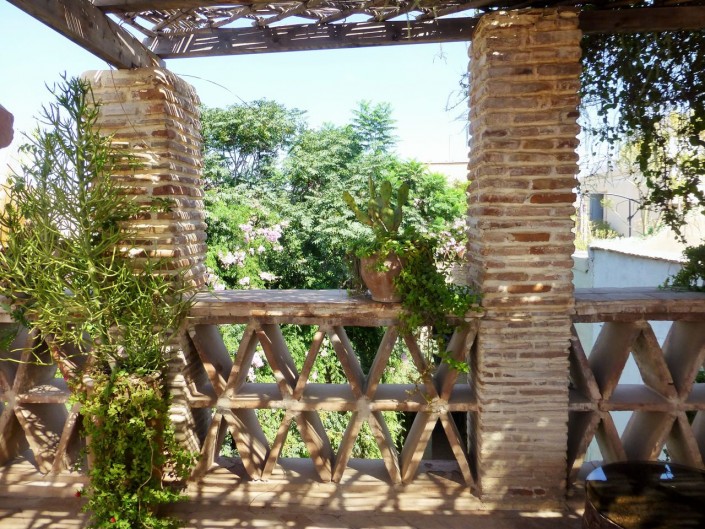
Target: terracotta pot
{"x": 379, "y": 274}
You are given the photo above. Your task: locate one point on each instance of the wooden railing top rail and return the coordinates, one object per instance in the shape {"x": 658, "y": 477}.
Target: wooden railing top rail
{"x": 295, "y": 306}
{"x": 634, "y": 304}
{"x": 311, "y": 306}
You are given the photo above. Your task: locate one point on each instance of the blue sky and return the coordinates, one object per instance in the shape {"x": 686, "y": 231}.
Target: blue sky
{"x": 416, "y": 79}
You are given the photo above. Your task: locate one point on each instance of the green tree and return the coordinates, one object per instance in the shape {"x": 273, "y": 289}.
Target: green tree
{"x": 374, "y": 126}
{"x": 242, "y": 142}
{"x": 320, "y": 159}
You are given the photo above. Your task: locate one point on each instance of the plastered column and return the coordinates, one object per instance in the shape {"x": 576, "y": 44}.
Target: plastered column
{"x": 153, "y": 114}
{"x": 524, "y": 73}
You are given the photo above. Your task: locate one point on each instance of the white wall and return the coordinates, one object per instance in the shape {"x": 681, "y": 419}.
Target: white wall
{"x": 621, "y": 263}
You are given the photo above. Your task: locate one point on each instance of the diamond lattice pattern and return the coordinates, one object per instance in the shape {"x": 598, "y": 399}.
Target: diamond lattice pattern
{"x": 224, "y": 387}
{"x": 667, "y": 408}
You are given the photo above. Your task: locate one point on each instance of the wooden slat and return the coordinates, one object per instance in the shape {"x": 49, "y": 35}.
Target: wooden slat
{"x": 415, "y": 445}
{"x": 309, "y": 361}
{"x": 54, "y": 392}
{"x": 698, "y": 428}
{"x": 12, "y": 438}
{"x": 652, "y": 366}
{"x": 275, "y": 349}
{"x": 249, "y": 439}
{"x": 582, "y": 427}
{"x": 683, "y": 445}
{"x": 348, "y": 359}
{"x": 43, "y": 425}
{"x": 627, "y": 397}
{"x": 314, "y": 435}
{"x": 637, "y": 304}
{"x": 608, "y": 440}
{"x": 340, "y": 397}
{"x": 278, "y": 444}
{"x": 456, "y": 445}
{"x": 610, "y": 352}
{"x": 87, "y": 26}
{"x": 243, "y": 360}
{"x": 222, "y": 41}
{"x": 458, "y": 348}
{"x": 211, "y": 445}
{"x": 645, "y": 434}
{"x": 142, "y": 5}
{"x": 684, "y": 352}
{"x": 580, "y": 371}
{"x": 390, "y": 456}
{"x": 213, "y": 354}
{"x": 380, "y": 361}
{"x": 346, "y": 445}
{"x": 422, "y": 366}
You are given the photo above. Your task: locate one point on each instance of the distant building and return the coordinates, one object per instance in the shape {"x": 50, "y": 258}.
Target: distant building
{"x": 455, "y": 171}
{"x": 616, "y": 200}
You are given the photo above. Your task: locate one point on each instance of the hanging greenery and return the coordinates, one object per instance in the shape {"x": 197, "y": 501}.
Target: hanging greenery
{"x": 70, "y": 271}
{"x": 648, "y": 90}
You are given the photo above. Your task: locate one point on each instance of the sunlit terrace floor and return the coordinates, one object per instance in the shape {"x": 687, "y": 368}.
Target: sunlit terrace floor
{"x": 30, "y": 501}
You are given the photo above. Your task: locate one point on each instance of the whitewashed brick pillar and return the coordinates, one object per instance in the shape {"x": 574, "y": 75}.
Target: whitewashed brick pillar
{"x": 154, "y": 115}
{"x": 524, "y": 73}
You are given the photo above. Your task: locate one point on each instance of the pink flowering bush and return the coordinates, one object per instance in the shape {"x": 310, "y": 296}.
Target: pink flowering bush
{"x": 242, "y": 235}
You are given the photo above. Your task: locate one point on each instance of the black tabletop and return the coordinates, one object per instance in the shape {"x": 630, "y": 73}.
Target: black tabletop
{"x": 648, "y": 495}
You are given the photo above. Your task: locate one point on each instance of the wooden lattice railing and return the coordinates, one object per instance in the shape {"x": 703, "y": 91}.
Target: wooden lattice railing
{"x": 212, "y": 395}
{"x": 667, "y": 406}
{"x": 222, "y": 385}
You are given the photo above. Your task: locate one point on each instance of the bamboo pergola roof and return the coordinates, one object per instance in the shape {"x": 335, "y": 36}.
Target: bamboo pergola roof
{"x": 131, "y": 33}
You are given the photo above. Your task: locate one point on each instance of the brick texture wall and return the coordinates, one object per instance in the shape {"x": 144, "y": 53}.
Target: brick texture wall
{"x": 154, "y": 115}
{"x": 524, "y": 72}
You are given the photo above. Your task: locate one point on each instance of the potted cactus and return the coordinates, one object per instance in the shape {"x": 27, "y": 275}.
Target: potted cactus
{"x": 380, "y": 263}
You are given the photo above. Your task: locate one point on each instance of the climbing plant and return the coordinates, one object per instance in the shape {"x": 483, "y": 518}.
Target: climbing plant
{"x": 70, "y": 271}
{"x": 646, "y": 89}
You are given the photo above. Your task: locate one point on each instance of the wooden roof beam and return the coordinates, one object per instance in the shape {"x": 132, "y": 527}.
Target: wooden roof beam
{"x": 144, "y": 5}
{"x": 87, "y": 26}
{"x": 208, "y": 43}
{"x": 643, "y": 20}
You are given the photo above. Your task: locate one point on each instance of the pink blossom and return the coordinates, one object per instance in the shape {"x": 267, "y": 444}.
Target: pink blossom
{"x": 257, "y": 361}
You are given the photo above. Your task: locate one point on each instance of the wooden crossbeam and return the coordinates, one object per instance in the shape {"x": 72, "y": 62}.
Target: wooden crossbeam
{"x": 87, "y": 26}
{"x": 309, "y": 37}
{"x": 142, "y": 5}
{"x": 643, "y": 20}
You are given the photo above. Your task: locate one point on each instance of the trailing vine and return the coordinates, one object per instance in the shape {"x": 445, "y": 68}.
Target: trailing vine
{"x": 68, "y": 269}
{"x": 428, "y": 298}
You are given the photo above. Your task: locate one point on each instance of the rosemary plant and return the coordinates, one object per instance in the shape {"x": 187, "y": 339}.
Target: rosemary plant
{"x": 66, "y": 271}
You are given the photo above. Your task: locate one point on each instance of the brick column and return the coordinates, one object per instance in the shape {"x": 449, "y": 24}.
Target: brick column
{"x": 154, "y": 115}
{"x": 524, "y": 73}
